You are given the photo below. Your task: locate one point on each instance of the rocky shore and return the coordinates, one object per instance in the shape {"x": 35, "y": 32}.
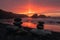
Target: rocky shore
{"x": 9, "y": 32}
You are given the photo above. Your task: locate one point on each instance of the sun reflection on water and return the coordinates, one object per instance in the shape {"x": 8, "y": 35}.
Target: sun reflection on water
{"x": 29, "y": 24}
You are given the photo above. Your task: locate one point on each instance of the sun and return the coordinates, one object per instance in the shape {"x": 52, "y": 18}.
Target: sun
{"x": 30, "y": 11}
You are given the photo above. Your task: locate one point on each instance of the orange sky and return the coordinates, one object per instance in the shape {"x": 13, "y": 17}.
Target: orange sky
{"x": 32, "y": 9}
{"x": 29, "y": 7}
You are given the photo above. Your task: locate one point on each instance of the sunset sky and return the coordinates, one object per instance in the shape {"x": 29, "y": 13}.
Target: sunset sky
{"x": 29, "y": 7}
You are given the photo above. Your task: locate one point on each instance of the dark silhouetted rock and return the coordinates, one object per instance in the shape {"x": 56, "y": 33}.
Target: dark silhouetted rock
{"x": 7, "y": 15}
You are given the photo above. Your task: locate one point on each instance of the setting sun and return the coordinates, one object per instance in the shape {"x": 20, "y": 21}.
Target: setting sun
{"x": 31, "y": 11}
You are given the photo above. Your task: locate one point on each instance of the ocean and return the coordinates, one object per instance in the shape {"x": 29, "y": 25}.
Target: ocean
{"x": 50, "y": 24}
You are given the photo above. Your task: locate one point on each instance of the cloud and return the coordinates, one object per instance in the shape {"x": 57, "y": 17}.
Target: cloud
{"x": 8, "y": 4}
{"x": 15, "y": 6}
{"x": 37, "y": 5}
{"x": 47, "y": 2}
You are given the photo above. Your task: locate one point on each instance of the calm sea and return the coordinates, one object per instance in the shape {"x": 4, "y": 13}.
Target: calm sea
{"x": 50, "y": 24}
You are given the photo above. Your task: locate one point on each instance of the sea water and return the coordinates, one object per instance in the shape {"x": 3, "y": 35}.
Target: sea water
{"x": 50, "y": 24}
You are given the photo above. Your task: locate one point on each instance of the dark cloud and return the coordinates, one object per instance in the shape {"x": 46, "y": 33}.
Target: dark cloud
{"x": 13, "y": 2}
{"x": 10, "y": 4}
{"x": 47, "y": 2}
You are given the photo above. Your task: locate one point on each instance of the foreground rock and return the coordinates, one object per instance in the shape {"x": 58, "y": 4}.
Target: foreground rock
{"x": 9, "y": 32}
